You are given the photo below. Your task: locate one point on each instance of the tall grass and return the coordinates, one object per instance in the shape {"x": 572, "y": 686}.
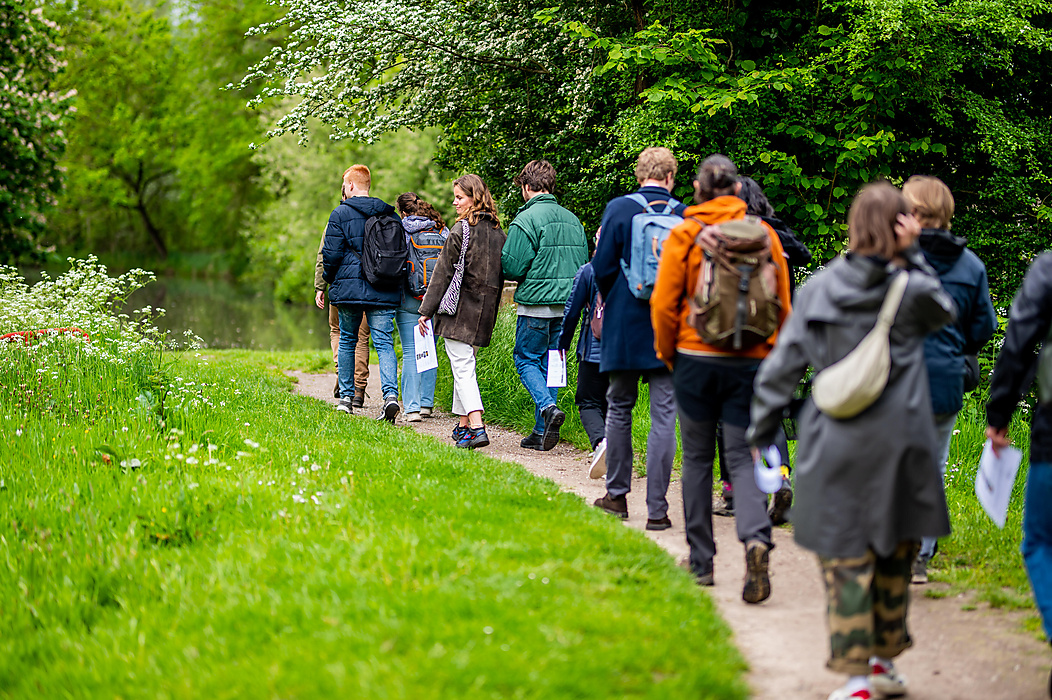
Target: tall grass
{"x": 187, "y": 527}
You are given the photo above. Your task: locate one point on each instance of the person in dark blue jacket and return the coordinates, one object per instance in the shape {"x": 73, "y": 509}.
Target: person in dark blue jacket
{"x": 627, "y": 351}
{"x": 963, "y": 276}
{"x": 352, "y": 294}
{"x": 592, "y": 384}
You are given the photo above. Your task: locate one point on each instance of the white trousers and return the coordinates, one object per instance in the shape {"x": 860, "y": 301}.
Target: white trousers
{"x": 466, "y": 396}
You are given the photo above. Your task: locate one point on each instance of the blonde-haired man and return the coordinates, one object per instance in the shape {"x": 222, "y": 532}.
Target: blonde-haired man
{"x": 352, "y": 294}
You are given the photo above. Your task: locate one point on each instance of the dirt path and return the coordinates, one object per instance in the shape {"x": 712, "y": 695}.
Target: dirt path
{"x": 959, "y": 655}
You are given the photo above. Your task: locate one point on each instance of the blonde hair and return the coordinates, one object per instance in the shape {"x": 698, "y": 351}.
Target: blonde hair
{"x": 357, "y": 176}
{"x": 655, "y": 163}
{"x": 481, "y": 199}
{"x": 930, "y": 199}
{"x": 872, "y": 218}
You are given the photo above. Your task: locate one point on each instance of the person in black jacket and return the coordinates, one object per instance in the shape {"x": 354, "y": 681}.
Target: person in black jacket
{"x": 963, "y": 276}
{"x": 1029, "y": 321}
{"x": 352, "y": 294}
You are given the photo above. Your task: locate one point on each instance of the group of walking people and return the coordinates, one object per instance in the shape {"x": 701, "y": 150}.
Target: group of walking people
{"x": 729, "y": 362}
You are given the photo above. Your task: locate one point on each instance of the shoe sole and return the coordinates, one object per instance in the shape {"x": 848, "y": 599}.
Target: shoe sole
{"x": 390, "y": 411}
{"x": 598, "y": 469}
{"x": 344, "y": 409}
{"x": 783, "y": 501}
{"x": 757, "y": 580}
{"x": 551, "y": 431}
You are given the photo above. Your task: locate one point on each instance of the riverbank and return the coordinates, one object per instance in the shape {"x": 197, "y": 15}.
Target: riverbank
{"x": 208, "y": 533}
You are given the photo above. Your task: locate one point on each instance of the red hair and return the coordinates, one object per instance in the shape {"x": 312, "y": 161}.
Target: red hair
{"x": 358, "y": 176}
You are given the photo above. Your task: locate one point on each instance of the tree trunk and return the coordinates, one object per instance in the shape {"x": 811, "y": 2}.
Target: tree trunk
{"x": 151, "y": 230}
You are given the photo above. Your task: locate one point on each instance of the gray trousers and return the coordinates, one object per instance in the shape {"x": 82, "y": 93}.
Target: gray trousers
{"x": 750, "y": 504}
{"x": 661, "y": 443}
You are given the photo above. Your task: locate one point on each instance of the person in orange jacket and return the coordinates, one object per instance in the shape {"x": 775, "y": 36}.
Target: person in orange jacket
{"x": 714, "y": 385}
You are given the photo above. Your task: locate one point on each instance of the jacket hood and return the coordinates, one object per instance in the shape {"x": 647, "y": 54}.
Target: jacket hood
{"x": 718, "y": 209}
{"x": 414, "y": 224}
{"x": 941, "y": 248}
{"x": 369, "y": 206}
{"x": 861, "y": 283}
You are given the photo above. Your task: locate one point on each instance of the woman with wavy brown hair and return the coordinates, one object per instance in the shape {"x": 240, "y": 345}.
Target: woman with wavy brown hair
{"x": 474, "y": 246}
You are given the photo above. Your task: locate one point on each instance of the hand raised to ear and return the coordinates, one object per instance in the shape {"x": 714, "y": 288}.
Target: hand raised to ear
{"x": 907, "y": 230}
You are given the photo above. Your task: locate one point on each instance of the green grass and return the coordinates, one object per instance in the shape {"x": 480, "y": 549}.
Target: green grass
{"x": 263, "y": 545}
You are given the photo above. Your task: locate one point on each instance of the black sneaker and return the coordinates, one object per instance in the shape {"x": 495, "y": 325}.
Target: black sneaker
{"x": 390, "y": 410}
{"x": 614, "y": 505}
{"x": 344, "y": 406}
{"x": 458, "y": 432}
{"x": 757, "y": 578}
{"x": 473, "y": 437}
{"x": 705, "y": 579}
{"x": 659, "y": 523}
{"x": 920, "y": 571}
{"x": 781, "y": 503}
{"x": 359, "y": 397}
{"x": 553, "y": 419}
{"x": 533, "y": 441}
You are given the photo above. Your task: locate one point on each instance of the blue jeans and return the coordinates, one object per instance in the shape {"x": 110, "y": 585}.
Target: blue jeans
{"x": 418, "y": 390}
{"x": 1037, "y": 538}
{"x": 944, "y": 423}
{"x": 534, "y": 337}
{"x": 381, "y": 325}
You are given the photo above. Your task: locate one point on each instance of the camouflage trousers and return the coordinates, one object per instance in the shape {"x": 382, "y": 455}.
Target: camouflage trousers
{"x": 867, "y": 599}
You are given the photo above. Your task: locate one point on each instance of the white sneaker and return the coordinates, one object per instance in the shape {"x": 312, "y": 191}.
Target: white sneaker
{"x": 845, "y": 693}
{"x": 413, "y": 417}
{"x": 598, "y": 468}
{"x": 885, "y": 679}
{"x": 425, "y": 412}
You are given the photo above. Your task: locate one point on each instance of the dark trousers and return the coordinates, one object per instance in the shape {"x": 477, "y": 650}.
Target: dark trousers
{"x": 710, "y": 393}
{"x": 591, "y": 400}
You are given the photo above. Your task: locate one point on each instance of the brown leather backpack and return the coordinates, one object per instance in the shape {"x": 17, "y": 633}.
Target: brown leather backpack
{"x": 597, "y": 316}
{"x": 735, "y": 303}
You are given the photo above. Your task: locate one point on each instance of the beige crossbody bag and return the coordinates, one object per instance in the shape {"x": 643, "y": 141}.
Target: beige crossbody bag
{"x": 846, "y": 388}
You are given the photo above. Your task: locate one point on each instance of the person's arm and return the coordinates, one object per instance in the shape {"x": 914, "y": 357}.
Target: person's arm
{"x": 606, "y": 263}
{"x": 983, "y": 321}
{"x": 333, "y": 248}
{"x": 666, "y": 301}
{"x": 575, "y": 304}
{"x": 796, "y": 252}
{"x": 443, "y": 272}
{"x": 1028, "y": 325}
{"x": 777, "y": 378}
{"x": 519, "y": 250}
{"x": 319, "y": 279}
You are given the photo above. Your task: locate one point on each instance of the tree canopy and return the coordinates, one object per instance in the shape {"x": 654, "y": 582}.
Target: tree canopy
{"x": 813, "y": 100}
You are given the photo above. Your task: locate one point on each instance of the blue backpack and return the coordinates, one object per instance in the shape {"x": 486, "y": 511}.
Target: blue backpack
{"x": 650, "y": 228}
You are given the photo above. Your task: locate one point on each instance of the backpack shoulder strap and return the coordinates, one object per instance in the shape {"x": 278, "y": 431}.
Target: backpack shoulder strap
{"x": 641, "y": 201}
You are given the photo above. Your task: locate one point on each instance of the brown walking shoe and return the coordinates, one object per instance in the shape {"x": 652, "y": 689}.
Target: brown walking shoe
{"x": 614, "y": 505}
{"x": 757, "y": 579}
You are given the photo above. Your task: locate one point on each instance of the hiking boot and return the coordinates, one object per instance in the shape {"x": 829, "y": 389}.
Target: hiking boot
{"x": 553, "y": 419}
{"x": 598, "y": 468}
{"x": 706, "y": 579}
{"x": 614, "y": 505}
{"x": 659, "y": 523}
{"x": 413, "y": 417}
{"x": 757, "y": 580}
{"x": 533, "y": 441}
{"x": 473, "y": 437}
{"x": 390, "y": 410}
{"x": 885, "y": 679}
{"x": 359, "y": 397}
{"x": 920, "y": 571}
{"x": 780, "y": 504}
{"x": 426, "y": 411}
{"x": 845, "y": 693}
{"x": 725, "y": 505}
{"x": 344, "y": 406}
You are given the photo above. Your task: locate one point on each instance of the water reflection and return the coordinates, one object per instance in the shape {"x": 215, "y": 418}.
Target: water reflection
{"x": 226, "y": 316}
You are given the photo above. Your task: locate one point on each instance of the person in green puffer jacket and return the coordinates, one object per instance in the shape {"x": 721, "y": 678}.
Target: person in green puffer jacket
{"x": 546, "y": 246}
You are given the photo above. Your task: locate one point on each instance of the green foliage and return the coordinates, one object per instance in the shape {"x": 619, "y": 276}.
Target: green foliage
{"x": 32, "y": 112}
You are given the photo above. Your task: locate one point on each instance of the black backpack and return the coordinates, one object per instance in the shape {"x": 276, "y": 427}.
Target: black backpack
{"x": 424, "y": 248}
{"x": 384, "y": 252}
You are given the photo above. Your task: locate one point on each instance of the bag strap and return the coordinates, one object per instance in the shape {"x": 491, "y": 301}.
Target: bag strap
{"x": 648, "y": 206}
{"x": 464, "y": 242}
{"x": 889, "y": 308}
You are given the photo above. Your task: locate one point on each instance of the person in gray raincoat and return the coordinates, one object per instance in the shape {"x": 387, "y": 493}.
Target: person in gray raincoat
{"x": 867, "y": 489}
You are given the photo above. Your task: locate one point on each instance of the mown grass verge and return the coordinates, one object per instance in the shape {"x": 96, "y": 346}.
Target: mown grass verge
{"x": 195, "y": 530}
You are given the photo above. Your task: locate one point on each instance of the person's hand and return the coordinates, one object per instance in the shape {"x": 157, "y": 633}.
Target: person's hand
{"x": 319, "y": 299}
{"x": 907, "y": 230}
{"x": 998, "y": 438}
{"x": 423, "y": 325}
{"x": 708, "y": 236}
{"x": 755, "y": 452}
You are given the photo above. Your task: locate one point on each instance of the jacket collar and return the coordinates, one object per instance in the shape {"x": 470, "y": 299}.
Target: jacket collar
{"x": 546, "y": 197}
{"x": 718, "y": 210}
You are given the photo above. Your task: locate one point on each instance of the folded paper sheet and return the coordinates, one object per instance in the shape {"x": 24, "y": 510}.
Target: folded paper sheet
{"x": 426, "y": 354}
{"x": 556, "y": 368}
{"x": 994, "y": 482}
